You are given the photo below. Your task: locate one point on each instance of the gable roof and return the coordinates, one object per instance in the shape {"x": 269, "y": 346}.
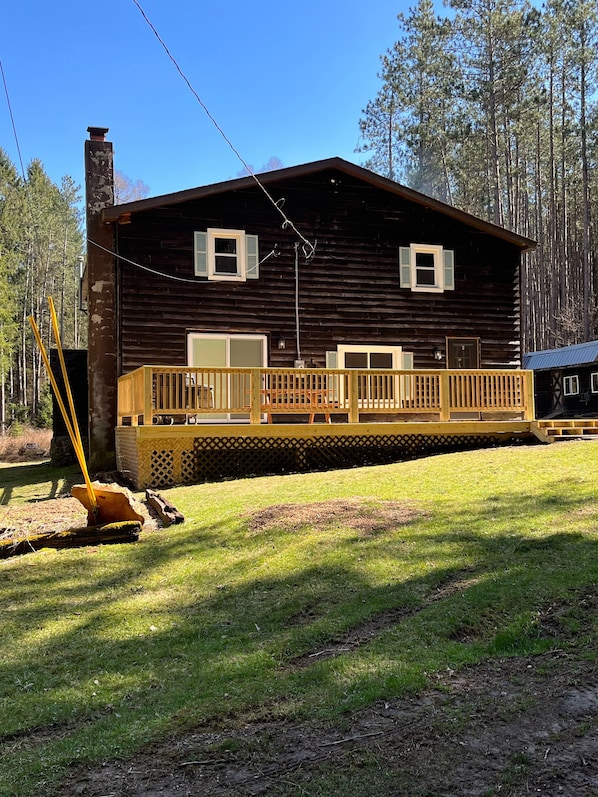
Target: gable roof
{"x": 578, "y": 354}
{"x": 268, "y": 178}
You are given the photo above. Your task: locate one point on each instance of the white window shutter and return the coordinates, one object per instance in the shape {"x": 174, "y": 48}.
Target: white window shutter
{"x": 201, "y": 254}
{"x": 331, "y": 359}
{"x": 405, "y": 266}
{"x": 449, "y": 269}
{"x": 253, "y": 257}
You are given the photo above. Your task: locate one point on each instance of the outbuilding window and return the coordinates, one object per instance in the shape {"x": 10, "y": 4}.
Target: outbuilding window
{"x": 226, "y": 255}
{"x": 571, "y": 385}
{"x": 427, "y": 268}
{"x": 594, "y": 382}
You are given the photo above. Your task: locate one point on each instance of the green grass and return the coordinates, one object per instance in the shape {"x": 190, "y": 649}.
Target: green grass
{"x": 104, "y": 649}
{"x": 25, "y": 483}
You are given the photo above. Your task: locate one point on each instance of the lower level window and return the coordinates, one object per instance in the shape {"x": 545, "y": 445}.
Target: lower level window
{"x": 214, "y": 352}
{"x": 594, "y": 382}
{"x": 375, "y": 358}
{"x": 571, "y": 385}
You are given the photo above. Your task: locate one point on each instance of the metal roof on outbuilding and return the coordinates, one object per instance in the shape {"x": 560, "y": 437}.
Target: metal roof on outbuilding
{"x": 550, "y": 359}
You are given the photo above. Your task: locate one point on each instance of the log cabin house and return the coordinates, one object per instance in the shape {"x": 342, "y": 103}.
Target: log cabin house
{"x": 250, "y": 326}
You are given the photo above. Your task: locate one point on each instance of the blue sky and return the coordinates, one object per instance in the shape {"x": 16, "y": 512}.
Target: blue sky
{"x": 286, "y": 80}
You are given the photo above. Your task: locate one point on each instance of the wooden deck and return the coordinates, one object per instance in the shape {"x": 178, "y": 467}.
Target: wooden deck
{"x": 154, "y": 395}
{"x": 185, "y": 425}
{"x": 161, "y": 456}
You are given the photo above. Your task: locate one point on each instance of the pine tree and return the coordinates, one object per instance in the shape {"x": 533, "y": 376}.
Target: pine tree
{"x": 40, "y": 243}
{"x": 407, "y": 127}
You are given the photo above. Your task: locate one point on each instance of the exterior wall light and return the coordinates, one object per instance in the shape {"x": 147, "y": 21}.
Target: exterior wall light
{"x": 281, "y": 343}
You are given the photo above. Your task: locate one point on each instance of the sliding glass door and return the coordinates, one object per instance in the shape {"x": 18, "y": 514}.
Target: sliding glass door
{"x": 207, "y": 350}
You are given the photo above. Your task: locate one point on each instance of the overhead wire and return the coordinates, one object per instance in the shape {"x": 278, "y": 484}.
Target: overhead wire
{"x": 308, "y": 247}
{"x": 274, "y": 253}
{"x": 12, "y": 120}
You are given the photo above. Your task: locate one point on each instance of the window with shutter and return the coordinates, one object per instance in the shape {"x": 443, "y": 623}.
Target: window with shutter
{"x": 226, "y": 255}
{"x": 201, "y": 254}
{"x": 426, "y": 268}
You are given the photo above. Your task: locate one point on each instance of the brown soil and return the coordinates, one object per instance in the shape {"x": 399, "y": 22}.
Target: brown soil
{"x": 361, "y": 514}
{"x": 56, "y": 514}
{"x": 510, "y": 727}
{"x": 516, "y": 726}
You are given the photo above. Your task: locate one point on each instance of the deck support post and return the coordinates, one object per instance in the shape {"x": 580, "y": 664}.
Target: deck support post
{"x": 529, "y": 413}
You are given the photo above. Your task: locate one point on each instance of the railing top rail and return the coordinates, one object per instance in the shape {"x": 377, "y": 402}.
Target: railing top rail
{"x": 459, "y": 372}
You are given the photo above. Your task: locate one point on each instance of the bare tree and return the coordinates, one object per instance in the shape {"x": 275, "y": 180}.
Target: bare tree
{"x": 125, "y": 190}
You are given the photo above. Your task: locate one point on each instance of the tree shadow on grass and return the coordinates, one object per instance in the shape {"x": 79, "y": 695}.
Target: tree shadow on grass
{"x": 172, "y": 634}
{"x": 51, "y": 482}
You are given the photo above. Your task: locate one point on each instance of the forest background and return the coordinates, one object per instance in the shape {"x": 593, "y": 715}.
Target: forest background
{"x": 491, "y": 107}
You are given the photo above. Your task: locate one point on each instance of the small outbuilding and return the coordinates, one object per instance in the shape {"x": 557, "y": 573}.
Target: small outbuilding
{"x": 565, "y": 380}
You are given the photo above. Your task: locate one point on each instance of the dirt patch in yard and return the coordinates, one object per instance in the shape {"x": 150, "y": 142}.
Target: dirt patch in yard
{"x": 510, "y": 727}
{"x": 54, "y": 514}
{"x": 363, "y": 515}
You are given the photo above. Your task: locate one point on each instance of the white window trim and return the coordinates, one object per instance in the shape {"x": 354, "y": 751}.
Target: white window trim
{"x": 227, "y": 336}
{"x": 401, "y": 360}
{"x": 594, "y": 382}
{"x": 396, "y": 352}
{"x": 241, "y": 257}
{"x": 438, "y": 286}
{"x": 247, "y": 255}
{"x": 444, "y": 268}
{"x": 571, "y": 385}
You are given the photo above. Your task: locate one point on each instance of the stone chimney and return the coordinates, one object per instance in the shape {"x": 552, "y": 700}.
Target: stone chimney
{"x": 101, "y": 301}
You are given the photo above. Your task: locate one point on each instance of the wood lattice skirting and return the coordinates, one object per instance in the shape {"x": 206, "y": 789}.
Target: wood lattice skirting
{"x": 163, "y": 457}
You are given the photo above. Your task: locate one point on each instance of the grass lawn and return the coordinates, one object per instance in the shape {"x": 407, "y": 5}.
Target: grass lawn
{"x": 446, "y": 561}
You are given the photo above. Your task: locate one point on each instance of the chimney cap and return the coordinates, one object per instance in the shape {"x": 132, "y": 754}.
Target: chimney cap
{"x": 97, "y": 133}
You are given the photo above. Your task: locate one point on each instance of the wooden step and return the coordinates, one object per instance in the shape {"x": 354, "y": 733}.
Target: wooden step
{"x": 567, "y": 429}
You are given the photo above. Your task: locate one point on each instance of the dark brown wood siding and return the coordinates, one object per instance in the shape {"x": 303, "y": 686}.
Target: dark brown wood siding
{"x": 349, "y": 291}
{"x": 584, "y": 403}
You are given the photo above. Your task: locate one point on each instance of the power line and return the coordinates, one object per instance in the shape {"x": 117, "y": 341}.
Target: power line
{"x": 12, "y": 120}
{"x": 309, "y": 249}
{"x": 274, "y": 253}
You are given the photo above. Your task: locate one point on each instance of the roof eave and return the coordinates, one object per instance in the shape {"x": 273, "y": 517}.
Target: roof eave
{"x": 116, "y": 212}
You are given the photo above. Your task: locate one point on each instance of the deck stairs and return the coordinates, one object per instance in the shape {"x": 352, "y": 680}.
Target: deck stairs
{"x": 556, "y": 430}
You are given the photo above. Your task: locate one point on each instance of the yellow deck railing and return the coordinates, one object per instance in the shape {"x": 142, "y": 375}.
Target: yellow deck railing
{"x": 159, "y": 394}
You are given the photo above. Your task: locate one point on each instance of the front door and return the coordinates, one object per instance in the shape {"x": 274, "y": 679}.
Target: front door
{"x": 463, "y": 353}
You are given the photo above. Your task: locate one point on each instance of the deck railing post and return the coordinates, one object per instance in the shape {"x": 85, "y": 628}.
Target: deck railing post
{"x": 256, "y": 386}
{"x": 445, "y": 396}
{"x": 148, "y": 378}
{"x": 529, "y": 413}
{"x": 353, "y": 396}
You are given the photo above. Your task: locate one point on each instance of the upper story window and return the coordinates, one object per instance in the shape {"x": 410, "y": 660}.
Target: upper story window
{"x": 427, "y": 268}
{"x": 227, "y": 255}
